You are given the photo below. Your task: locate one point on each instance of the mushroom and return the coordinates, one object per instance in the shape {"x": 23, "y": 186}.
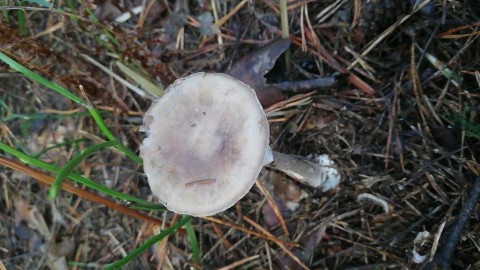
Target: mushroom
{"x": 206, "y": 141}
{"x": 207, "y": 138}
{"x": 318, "y": 173}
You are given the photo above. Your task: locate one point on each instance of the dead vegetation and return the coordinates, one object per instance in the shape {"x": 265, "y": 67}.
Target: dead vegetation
{"x": 389, "y": 90}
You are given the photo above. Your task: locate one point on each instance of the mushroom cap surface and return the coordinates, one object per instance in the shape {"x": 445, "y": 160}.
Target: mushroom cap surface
{"x": 205, "y": 145}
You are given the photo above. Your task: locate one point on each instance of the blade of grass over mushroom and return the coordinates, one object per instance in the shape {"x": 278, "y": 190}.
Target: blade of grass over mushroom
{"x": 59, "y": 89}
{"x": 68, "y": 168}
{"x": 193, "y": 241}
{"x": 76, "y": 177}
{"x": 150, "y": 242}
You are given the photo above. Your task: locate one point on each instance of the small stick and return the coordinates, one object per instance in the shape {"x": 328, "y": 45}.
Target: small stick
{"x": 200, "y": 182}
{"x": 443, "y": 259}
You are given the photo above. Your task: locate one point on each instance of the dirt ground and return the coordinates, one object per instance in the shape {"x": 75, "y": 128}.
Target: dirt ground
{"x": 388, "y": 90}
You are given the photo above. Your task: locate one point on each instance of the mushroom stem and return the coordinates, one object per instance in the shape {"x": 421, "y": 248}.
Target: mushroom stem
{"x": 321, "y": 174}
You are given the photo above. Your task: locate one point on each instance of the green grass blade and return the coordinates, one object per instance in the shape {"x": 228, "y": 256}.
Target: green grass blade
{"x": 106, "y": 131}
{"x": 6, "y": 114}
{"x": 150, "y": 242}
{"x": 152, "y": 207}
{"x": 76, "y": 177}
{"x": 22, "y": 22}
{"x": 193, "y": 241}
{"x": 34, "y": 76}
{"x": 71, "y": 5}
{"x": 72, "y": 143}
{"x": 105, "y": 32}
{"x": 5, "y": 12}
{"x": 41, "y": 3}
{"x": 68, "y": 168}
{"x": 146, "y": 84}
{"x": 129, "y": 85}
{"x": 59, "y": 89}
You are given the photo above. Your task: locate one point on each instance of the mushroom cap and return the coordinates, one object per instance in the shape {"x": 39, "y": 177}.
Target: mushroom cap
{"x": 205, "y": 145}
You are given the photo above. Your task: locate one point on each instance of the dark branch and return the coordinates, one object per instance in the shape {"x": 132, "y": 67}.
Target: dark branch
{"x": 442, "y": 259}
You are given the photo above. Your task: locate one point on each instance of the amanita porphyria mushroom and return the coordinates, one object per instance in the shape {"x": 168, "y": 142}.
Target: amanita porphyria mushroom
{"x": 207, "y": 140}
{"x": 205, "y": 145}
{"x": 319, "y": 172}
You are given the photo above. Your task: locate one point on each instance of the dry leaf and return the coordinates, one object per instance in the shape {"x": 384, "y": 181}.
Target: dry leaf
{"x": 270, "y": 217}
{"x": 307, "y": 246}
{"x": 252, "y": 68}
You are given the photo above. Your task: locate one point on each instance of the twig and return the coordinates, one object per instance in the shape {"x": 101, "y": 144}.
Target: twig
{"x": 237, "y": 264}
{"x": 306, "y": 85}
{"x": 443, "y": 258}
{"x": 48, "y": 180}
{"x": 282, "y": 246}
{"x": 274, "y": 206}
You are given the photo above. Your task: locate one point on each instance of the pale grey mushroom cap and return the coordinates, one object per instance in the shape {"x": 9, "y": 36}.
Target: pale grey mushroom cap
{"x": 205, "y": 145}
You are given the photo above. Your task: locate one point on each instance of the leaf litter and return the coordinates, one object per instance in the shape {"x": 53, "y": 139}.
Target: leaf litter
{"x": 394, "y": 104}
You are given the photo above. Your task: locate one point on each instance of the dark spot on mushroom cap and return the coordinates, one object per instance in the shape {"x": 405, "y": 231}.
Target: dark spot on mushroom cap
{"x": 148, "y": 120}
{"x": 230, "y": 144}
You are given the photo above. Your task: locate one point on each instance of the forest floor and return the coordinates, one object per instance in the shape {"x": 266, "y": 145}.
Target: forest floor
{"x": 389, "y": 90}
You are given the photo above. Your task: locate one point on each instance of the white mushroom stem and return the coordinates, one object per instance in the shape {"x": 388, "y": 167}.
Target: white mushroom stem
{"x": 321, "y": 174}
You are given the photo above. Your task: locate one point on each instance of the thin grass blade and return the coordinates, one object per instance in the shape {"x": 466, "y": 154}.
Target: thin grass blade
{"x": 193, "y": 241}
{"x": 78, "y": 178}
{"x": 59, "y": 89}
{"x": 146, "y": 84}
{"x": 68, "y": 168}
{"x": 150, "y": 242}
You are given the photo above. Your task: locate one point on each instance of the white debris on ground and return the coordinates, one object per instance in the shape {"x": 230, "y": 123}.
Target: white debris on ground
{"x": 422, "y": 239}
{"x": 330, "y": 178}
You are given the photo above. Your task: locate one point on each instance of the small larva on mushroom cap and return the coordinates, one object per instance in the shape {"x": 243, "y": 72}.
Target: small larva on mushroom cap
{"x": 205, "y": 145}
